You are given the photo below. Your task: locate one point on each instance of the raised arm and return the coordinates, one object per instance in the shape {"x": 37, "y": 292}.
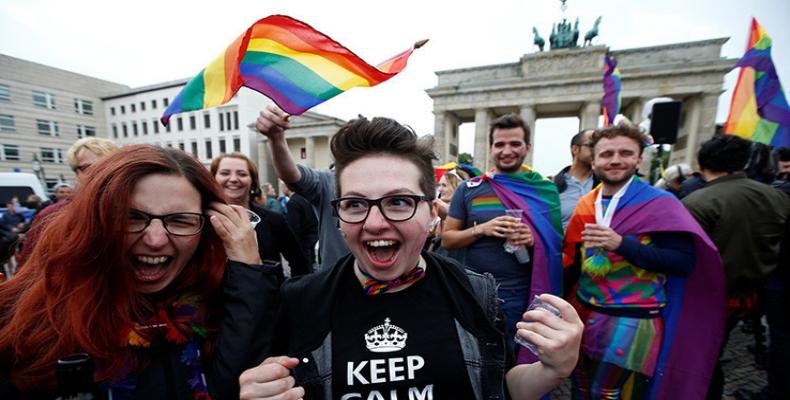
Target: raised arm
{"x": 272, "y": 123}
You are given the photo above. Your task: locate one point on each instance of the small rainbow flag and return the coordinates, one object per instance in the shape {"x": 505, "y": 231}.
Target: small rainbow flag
{"x": 610, "y": 104}
{"x": 287, "y": 60}
{"x": 759, "y": 109}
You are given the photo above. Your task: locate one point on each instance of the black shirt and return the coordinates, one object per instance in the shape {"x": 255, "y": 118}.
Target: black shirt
{"x": 401, "y": 345}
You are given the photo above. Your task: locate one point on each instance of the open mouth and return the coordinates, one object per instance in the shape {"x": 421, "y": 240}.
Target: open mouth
{"x": 382, "y": 253}
{"x": 151, "y": 268}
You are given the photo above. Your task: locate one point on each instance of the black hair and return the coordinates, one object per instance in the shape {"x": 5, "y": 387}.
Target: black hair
{"x": 724, "y": 153}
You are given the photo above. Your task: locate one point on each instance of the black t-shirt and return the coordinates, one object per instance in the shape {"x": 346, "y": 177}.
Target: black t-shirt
{"x": 401, "y": 345}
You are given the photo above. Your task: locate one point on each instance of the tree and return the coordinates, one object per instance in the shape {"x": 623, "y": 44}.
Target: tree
{"x": 465, "y": 158}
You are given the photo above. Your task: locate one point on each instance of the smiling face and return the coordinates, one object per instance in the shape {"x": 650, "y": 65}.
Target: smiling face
{"x": 157, "y": 256}
{"x": 616, "y": 159}
{"x": 385, "y": 249}
{"x": 508, "y": 149}
{"x": 234, "y": 177}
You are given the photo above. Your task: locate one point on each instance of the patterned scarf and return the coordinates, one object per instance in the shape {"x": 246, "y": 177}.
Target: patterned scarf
{"x": 375, "y": 287}
{"x": 183, "y": 326}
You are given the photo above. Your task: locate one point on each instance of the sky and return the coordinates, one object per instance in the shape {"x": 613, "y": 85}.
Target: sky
{"x": 144, "y": 42}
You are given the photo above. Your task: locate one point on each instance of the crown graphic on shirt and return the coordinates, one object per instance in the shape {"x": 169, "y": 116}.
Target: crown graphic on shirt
{"x": 385, "y": 338}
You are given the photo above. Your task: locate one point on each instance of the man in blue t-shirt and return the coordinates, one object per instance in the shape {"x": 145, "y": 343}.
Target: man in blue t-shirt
{"x": 476, "y": 220}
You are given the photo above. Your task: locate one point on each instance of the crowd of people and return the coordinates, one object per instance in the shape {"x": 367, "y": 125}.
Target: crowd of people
{"x": 186, "y": 282}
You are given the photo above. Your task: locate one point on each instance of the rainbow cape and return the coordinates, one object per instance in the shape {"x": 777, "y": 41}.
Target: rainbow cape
{"x": 538, "y": 197}
{"x": 695, "y": 311}
{"x": 287, "y": 60}
{"x": 610, "y": 103}
{"x": 759, "y": 109}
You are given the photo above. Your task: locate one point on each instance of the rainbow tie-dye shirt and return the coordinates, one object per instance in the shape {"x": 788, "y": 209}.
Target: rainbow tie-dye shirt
{"x": 626, "y": 285}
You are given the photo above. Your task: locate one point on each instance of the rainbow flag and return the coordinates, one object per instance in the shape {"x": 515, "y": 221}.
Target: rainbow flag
{"x": 759, "y": 109}
{"x": 287, "y": 60}
{"x": 610, "y": 103}
{"x": 469, "y": 169}
{"x": 694, "y": 314}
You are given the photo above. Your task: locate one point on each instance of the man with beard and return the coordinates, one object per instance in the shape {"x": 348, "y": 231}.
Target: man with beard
{"x": 577, "y": 179}
{"x": 477, "y": 221}
{"x": 637, "y": 263}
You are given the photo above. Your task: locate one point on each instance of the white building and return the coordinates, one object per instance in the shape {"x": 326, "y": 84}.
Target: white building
{"x": 43, "y": 111}
{"x": 133, "y": 117}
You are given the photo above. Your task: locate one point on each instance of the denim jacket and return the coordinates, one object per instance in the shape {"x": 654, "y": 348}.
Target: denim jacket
{"x": 304, "y": 332}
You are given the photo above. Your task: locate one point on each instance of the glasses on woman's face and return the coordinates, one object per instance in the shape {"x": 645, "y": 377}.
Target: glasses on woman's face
{"x": 395, "y": 208}
{"x": 178, "y": 224}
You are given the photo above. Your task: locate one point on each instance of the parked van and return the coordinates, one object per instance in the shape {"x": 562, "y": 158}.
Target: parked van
{"x": 19, "y": 185}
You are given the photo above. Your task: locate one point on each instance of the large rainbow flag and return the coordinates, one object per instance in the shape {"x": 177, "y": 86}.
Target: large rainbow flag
{"x": 287, "y": 60}
{"x": 694, "y": 315}
{"x": 610, "y": 104}
{"x": 759, "y": 109}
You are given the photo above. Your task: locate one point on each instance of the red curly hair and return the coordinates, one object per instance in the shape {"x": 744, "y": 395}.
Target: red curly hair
{"x": 76, "y": 292}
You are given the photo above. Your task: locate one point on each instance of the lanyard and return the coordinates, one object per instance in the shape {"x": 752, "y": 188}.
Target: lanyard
{"x": 605, "y": 219}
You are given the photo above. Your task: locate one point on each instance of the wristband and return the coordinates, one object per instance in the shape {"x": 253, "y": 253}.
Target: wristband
{"x": 475, "y": 233}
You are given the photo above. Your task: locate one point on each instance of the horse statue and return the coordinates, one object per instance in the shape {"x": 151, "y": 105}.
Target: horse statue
{"x": 539, "y": 41}
{"x": 588, "y": 37}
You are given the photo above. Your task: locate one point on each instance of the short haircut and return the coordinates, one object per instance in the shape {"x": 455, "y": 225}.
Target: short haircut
{"x": 382, "y": 136}
{"x": 578, "y": 139}
{"x": 627, "y": 130}
{"x": 508, "y": 121}
{"x": 99, "y": 146}
{"x": 252, "y": 169}
{"x": 724, "y": 153}
{"x": 783, "y": 154}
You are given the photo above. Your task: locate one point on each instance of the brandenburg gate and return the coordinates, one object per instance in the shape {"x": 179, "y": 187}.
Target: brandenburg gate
{"x": 568, "y": 82}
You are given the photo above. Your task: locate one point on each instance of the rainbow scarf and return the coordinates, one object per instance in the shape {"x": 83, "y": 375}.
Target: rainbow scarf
{"x": 287, "y": 60}
{"x": 695, "y": 311}
{"x": 759, "y": 109}
{"x": 440, "y": 170}
{"x": 610, "y": 104}
{"x": 375, "y": 287}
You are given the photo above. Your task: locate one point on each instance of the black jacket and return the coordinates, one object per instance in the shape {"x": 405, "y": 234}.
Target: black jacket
{"x": 304, "y": 224}
{"x": 249, "y": 295}
{"x": 276, "y": 239}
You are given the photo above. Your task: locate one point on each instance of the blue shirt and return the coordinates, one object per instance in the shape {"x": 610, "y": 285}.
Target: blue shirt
{"x": 487, "y": 254}
{"x": 571, "y": 196}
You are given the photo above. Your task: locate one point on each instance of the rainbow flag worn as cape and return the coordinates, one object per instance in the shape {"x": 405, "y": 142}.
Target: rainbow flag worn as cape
{"x": 759, "y": 109}
{"x": 287, "y": 60}
{"x": 610, "y": 103}
{"x": 528, "y": 190}
{"x": 694, "y": 315}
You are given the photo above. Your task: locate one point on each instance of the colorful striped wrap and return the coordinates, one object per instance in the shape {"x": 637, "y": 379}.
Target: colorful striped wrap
{"x": 287, "y": 60}
{"x": 610, "y": 103}
{"x": 537, "y": 196}
{"x": 759, "y": 109}
{"x": 695, "y": 311}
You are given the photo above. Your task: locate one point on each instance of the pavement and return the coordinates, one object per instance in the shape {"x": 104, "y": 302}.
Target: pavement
{"x": 740, "y": 370}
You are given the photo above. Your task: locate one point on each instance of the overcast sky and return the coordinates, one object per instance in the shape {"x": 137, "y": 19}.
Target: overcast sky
{"x": 143, "y": 42}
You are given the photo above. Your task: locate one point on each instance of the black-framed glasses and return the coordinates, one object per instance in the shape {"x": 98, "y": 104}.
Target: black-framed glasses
{"x": 178, "y": 224}
{"x": 395, "y": 208}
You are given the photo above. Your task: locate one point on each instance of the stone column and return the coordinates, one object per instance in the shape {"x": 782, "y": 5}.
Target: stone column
{"x": 309, "y": 148}
{"x": 528, "y": 114}
{"x": 450, "y": 136}
{"x": 265, "y": 167}
{"x": 710, "y": 101}
{"x": 692, "y": 130}
{"x": 440, "y": 138}
{"x": 636, "y": 111}
{"x": 588, "y": 118}
{"x": 482, "y": 121}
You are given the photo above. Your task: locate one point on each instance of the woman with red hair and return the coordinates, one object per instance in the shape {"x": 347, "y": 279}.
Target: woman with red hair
{"x": 150, "y": 272}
